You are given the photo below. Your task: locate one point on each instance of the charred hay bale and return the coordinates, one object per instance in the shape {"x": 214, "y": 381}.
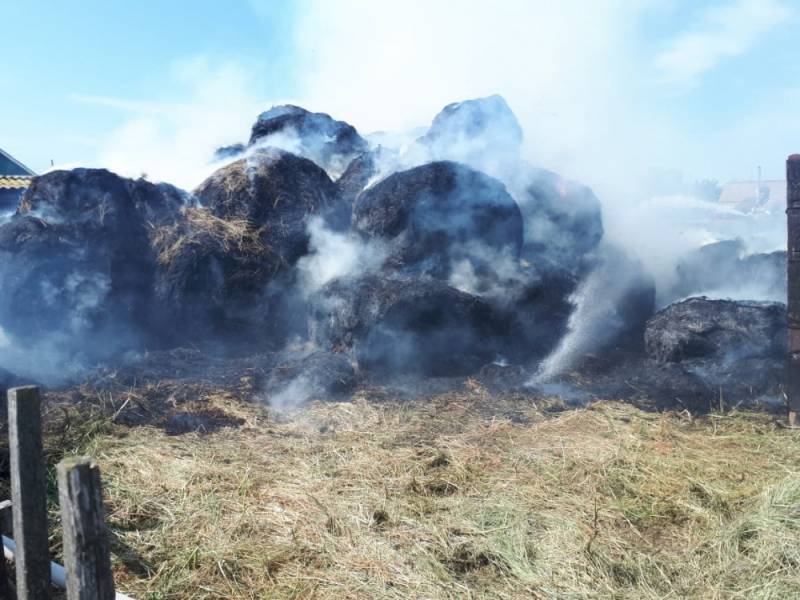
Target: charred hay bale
{"x": 77, "y": 267}
{"x": 230, "y": 151}
{"x": 407, "y": 325}
{"x": 724, "y": 268}
{"x": 661, "y": 386}
{"x": 296, "y": 379}
{"x": 317, "y": 136}
{"x": 563, "y": 220}
{"x": 538, "y": 307}
{"x": 617, "y": 298}
{"x": 474, "y": 131}
{"x": 723, "y": 330}
{"x": 275, "y": 192}
{"x": 355, "y": 179}
{"x": 433, "y": 216}
{"x": 9, "y": 201}
{"x": 101, "y": 199}
{"x": 212, "y": 274}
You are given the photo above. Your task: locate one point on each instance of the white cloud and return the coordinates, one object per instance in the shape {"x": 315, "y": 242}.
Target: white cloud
{"x": 119, "y": 103}
{"x": 563, "y": 67}
{"x": 723, "y": 32}
{"x": 174, "y": 141}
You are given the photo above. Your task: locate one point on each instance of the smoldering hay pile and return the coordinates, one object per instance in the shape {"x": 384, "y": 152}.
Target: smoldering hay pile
{"x": 334, "y": 262}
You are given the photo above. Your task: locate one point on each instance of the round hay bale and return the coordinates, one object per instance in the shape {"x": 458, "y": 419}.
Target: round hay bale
{"x": 275, "y": 192}
{"x": 476, "y": 131}
{"x": 563, "y": 221}
{"x": 407, "y": 325}
{"x": 433, "y": 216}
{"x": 212, "y": 275}
{"x": 329, "y": 143}
{"x": 76, "y": 265}
{"x": 725, "y": 330}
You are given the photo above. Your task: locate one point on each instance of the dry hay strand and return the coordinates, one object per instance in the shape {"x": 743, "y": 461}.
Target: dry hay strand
{"x": 202, "y": 231}
{"x": 443, "y": 499}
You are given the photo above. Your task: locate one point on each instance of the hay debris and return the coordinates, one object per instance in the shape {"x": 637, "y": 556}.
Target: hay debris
{"x": 202, "y": 230}
{"x": 354, "y": 500}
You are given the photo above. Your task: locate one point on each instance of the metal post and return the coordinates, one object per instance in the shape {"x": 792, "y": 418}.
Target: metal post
{"x": 28, "y": 493}
{"x": 793, "y": 277}
{"x": 87, "y": 557}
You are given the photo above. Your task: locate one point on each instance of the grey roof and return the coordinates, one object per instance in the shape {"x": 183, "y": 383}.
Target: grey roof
{"x": 11, "y": 166}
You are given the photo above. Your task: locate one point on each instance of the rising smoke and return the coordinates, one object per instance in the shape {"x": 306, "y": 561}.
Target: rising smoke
{"x": 598, "y": 266}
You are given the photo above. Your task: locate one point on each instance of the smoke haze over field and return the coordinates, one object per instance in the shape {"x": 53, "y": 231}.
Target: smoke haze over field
{"x": 592, "y": 104}
{"x": 598, "y": 100}
{"x": 606, "y": 94}
{"x": 604, "y": 90}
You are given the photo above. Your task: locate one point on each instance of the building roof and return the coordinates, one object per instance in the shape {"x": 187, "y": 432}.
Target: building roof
{"x": 14, "y": 182}
{"x": 745, "y": 195}
{"x": 11, "y": 166}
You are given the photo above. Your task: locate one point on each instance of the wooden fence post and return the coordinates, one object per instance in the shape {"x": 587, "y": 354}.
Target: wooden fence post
{"x": 793, "y": 286}
{"x": 28, "y": 493}
{"x": 6, "y": 528}
{"x": 87, "y": 557}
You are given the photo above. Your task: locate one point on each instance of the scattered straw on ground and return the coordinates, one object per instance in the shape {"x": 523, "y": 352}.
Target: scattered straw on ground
{"x": 456, "y": 498}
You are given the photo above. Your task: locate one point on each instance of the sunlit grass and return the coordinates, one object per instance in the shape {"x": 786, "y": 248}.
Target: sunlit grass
{"x": 441, "y": 499}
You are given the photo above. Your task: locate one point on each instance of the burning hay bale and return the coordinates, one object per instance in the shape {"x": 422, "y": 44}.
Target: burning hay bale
{"x": 724, "y": 268}
{"x": 317, "y": 136}
{"x": 275, "y": 191}
{"x": 736, "y": 348}
{"x": 226, "y": 269}
{"x": 97, "y": 198}
{"x": 433, "y": 216}
{"x": 538, "y": 307}
{"x": 397, "y": 325}
{"x": 77, "y": 265}
{"x": 717, "y": 329}
{"x": 563, "y": 221}
{"x": 474, "y": 131}
{"x": 355, "y": 179}
{"x": 212, "y": 273}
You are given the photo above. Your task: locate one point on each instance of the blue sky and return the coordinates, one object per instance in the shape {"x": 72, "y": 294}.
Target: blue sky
{"x": 56, "y": 53}
{"x": 607, "y": 89}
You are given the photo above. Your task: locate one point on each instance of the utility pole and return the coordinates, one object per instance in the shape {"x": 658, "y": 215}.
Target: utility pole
{"x": 793, "y": 280}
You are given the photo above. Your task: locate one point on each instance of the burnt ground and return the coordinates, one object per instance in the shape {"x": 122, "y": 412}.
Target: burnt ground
{"x": 178, "y": 391}
{"x": 185, "y": 391}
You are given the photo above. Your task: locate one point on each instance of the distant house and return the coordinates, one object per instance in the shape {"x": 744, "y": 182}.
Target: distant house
{"x": 755, "y": 197}
{"x": 14, "y": 180}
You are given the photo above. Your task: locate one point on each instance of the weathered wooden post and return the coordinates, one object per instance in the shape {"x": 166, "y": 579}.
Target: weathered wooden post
{"x": 87, "y": 557}
{"x": 793, "y": 280}
{"x": 28, "y": 493}
{"x": 6, "y": 528}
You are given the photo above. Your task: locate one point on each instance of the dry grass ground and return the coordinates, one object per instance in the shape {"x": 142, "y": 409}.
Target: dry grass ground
{"x": 460, "y": 496}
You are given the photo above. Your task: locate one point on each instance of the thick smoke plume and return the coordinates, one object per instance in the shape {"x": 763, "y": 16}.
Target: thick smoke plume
{"x": 338, "y": 251}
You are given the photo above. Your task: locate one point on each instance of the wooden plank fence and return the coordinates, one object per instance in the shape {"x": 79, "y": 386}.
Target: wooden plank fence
{"x": 86, "y": 573}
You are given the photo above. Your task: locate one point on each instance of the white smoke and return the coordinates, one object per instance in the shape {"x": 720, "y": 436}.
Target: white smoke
{"x": 590, "y": 101}
{"x": 294, "y": 394}
{"x": 335, "y": 254}
{"x": 174, "y": 140}
{"x": 595, "y": 320}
